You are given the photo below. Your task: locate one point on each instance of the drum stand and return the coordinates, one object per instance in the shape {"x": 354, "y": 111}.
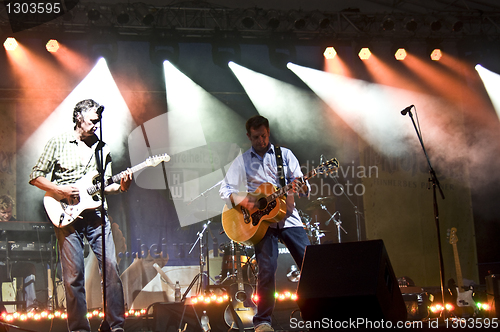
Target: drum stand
{"x": 203, "y": 261}
{"x": 338, "y": 222}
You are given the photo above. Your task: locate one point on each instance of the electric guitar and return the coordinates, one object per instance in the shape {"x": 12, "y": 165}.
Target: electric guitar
{"x": 241, "y": 297}
{"x": 248, "y": 227}
{"x": 464, "y": 297}
{"x": 62, "y": 212}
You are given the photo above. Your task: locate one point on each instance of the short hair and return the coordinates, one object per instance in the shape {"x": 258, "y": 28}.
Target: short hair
{"x": 6, "y": 202}
{"x": 84, "y": 106}
{"x": 255, "y": 122}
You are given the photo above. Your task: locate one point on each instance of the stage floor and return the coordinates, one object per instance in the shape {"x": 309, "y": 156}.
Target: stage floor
{"x": 175, "y": 317}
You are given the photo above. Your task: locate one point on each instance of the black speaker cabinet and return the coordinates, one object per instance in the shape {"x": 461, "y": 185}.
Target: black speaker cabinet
{"x": 349, "y": 281}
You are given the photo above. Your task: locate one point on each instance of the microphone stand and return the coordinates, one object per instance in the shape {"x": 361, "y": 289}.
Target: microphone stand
{"x": 433, "y": 180}
{"x": 104, "y": 327}
{"x": 356, "y": 210}
{"x": 338, "y": 223}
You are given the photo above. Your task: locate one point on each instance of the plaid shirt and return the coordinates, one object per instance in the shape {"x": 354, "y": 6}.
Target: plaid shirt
{"x": 61, "y": 157}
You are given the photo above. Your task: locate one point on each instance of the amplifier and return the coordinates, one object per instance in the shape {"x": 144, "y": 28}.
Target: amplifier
{"x": 25, "y": 250}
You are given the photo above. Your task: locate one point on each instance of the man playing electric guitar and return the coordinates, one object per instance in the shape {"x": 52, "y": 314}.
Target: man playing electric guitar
{"x": 255, "y": 167}
{"x": 67, "y": 158}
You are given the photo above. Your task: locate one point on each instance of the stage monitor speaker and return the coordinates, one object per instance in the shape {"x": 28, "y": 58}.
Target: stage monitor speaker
{"x": 348, "y": 281}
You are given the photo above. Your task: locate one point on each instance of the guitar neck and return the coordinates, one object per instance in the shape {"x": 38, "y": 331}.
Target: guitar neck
{"x": 115, "y": 178}
{"x": 283, "y": 190}
{"x": 239, "y": 277}
{"x": 460, "y": 282}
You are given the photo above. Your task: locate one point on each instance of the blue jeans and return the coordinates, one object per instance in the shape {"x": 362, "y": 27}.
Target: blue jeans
{"x": 70, "y": 241}
{"x": 266, "y": 253}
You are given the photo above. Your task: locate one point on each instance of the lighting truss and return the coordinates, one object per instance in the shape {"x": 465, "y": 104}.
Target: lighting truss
{"x": 207, "y": 21}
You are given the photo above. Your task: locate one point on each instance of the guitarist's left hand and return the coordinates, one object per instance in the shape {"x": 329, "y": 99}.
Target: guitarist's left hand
{"x": 300, "y": 187}
{"x": 126, "y": 180}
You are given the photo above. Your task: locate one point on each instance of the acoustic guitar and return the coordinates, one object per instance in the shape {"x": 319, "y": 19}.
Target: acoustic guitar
{"x": 248, "y": 227}
{"x": 241, "y": 297}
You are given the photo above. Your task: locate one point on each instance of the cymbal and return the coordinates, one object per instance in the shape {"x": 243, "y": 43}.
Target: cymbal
{"x": 320, "y": 200}
{"x": 202, "y": 215}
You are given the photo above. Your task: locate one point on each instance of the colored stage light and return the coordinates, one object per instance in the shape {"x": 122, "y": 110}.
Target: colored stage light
{"x": 400, "y": 54}
{"x": 330, "y": 53}
{"x": 436, "y": 54}
{"x": 364, "y": 53}
{"x": 10, "y": 44}
{"x": 52, "y": 46}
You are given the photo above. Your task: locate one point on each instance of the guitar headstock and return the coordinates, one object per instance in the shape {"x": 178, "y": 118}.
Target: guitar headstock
{"x": 453, "y": 235}
{"x": 328, "y": 166}
{"x": 155, "y": 160}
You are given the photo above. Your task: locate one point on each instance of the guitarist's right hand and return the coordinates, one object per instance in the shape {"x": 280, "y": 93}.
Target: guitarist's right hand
{"x": 69, "y": 192}
{"x": 248, "y": 201}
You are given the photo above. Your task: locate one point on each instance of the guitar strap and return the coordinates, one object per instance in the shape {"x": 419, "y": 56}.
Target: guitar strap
{"x": 236, "y": 318}
{"x": 279, "y": 163}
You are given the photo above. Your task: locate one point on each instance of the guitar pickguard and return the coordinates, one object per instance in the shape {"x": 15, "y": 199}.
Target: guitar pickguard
{"x": 246, "y": 215}
{"x": 257, "y": 215}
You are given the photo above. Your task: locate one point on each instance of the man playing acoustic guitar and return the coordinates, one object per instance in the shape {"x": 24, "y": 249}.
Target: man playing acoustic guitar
{"x": 254, "y": 169}
{"x": 67, "y": 158}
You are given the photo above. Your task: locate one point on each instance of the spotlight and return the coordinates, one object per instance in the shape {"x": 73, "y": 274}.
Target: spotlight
{"x": 365, "y": 53}
{"x": 330, "y": 53}
{"x": 106, "y": 50}
{"x": 161, "y": 51}
{"x": 299, "y": 22}
{"x": 436, "y": 25}
{"x": 144, "y": 14}
{"x": 457, "y": 26}
{"x": 121, "y": 12}
{"x": 411, "y": 25}
{"x": 10, "y": 44}
{"x": 320, "y": 21}
{"x": 273, "y": 21}
{"x": 93, "y": 13}
{"x": 52, "y": 46}
{"x": 400, "y": 54}
{"x": 436, "y": 54}
{"x": 223, "y": 53}
{"x": 281, "y": 55}
{"x": 248, "y": 20}
{"x": 388, "y": 24}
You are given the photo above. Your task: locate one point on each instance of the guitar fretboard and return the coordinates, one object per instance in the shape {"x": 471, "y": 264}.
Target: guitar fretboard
{"x": 329, "y": 166}
{"x": 151, "y": 161}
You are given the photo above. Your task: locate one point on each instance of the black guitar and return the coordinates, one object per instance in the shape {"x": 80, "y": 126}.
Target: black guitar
{"x": 241, "y": 297}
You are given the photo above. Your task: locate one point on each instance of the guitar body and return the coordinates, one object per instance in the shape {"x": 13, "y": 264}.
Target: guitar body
{"x": 243, "y": 305}
{"x": 62, "y": 212}
{"x": 241, "y": 297}
{"x": 249, "y": 227}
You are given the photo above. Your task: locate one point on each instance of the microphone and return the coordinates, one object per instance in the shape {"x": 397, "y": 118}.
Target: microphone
{"x": 321, "y": 159}
{"x": 406, "y": 110}
{"x": 337, "y": 213}
{"x": 99, "y": 110}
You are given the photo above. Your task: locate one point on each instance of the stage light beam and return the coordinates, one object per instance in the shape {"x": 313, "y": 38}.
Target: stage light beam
{"x": 491, "y": 81}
